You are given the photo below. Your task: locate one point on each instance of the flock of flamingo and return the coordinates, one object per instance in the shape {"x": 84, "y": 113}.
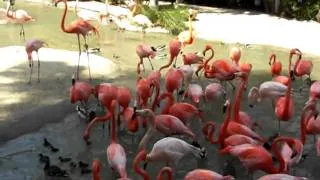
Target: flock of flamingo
{"x": 183, "y": 102}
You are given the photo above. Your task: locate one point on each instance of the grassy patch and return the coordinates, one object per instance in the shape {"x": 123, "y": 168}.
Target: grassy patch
{"x": 168, "y": 17}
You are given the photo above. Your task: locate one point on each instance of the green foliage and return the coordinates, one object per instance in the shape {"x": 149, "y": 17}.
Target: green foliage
{"x": 167, "y": 17}
{"x": 305, "y": 11}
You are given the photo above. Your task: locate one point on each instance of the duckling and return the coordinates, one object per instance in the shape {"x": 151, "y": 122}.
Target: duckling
{"x": 43, "y": 158}
{"x": 55, "y": 171}
{"x": 46, "y": 143}
{"x": 83, "y": 164}
{"x": 62, "y": 159}
{"x": 53, "y": 149}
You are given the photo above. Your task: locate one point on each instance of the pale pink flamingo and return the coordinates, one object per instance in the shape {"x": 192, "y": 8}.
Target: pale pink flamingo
{"x": 187, "y": 73}
{"x": 267, "y": 90}
{"x": 204, "y": 174}
{"x": 115, "y": 152}
{"x": 34, "y": 45}
{"x": 145, "y": 51}
{"x": 281, "y": 177}
{"x": 314, "y": 91}
{"x": 213, "y": 91}
{"x": 20, "y": 17}
{"x": 164, "y": 123}
{"x": 194, "y": 92}
{"x": 78, "y": 27}
{"x": 169, "y": 150}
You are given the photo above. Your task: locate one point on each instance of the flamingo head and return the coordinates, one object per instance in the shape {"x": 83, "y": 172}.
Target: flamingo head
{"x": 207, "y": 48}
{"x": 253, "y": 96}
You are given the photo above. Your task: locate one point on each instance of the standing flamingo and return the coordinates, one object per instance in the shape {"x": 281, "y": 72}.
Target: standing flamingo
{"x": 194, "y": 92}
{"x": 78, "y": 27}
{"x": 267, "y": 90}
{"x": 314, "y": 91}
{"x": 186, "y": 112}
{"x": 174, "y": 80}
{"x": 276, "y": 66}
{"x": 19, "y": 17}
{"x": 146, "y": 51}
{"x": 115, "y": 152}
{"x": 34, "y": 45}
{"x": 309, "y": 121}
{"x": 235, "y": 55}
{"x": 284, "y": 106}
{"x": 202, "y": 174}
{"x": 164, "y": 123}
{"x": 191, "y": 58}
{"x": 187, "y": 37}
{"x": 213, "y": 91}
{"x": 169, "y": 150}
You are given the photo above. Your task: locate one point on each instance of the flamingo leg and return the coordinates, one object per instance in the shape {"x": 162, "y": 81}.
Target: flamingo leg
{"x": 38, "y": 67}
{"x": 175, "y": 62}
{"x": 86, "y": 47}
{"x": 150, "y": 64}
{"x": 79, "y": 56}
{"x": 31, "y": 69}
{"x": 233, "y": 87}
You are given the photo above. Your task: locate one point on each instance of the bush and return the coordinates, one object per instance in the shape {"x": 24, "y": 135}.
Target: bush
{"x": 167, "y": 17}
{"x": 306, "y": 10}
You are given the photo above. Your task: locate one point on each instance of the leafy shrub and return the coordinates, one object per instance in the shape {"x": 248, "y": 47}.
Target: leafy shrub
{"x": 306, "y": 10}
{"x": 167, "y": 17}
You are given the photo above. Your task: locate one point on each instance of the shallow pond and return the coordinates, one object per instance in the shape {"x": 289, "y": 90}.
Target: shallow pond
{"x": 67, "y": 134}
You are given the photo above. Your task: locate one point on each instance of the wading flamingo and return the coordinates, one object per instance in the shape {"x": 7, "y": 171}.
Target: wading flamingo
{"x": 169, "y": 150}
{"x": 115, "y": 152}
{"x": 284, "y": 106}
{"x": 146, "y": 51}
{"x": 19, "y": 17}
{"x": 34, "y": 45}
{"x": 202, "y": 174}
{"x": 78, "y": 27}
{"x": 166, "y": 124}
{"x": 281, "y": 177}
{"x": 267, "y": 90}
{"x": 275, "y": 65}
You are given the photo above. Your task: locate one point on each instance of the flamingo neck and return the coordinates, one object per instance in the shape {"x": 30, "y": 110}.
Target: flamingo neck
{"x": 170, "y": 102}
{"x": 155, "y": 100}
{"x": 205, "y": 64}
{"x": 190, "y": 39}
{"x": 113, "y": 123}
{"x": 164, "y": 170}
{"x": 140, "y": 157}
{"x": 272, "y": 59}
{"x": 210, "y": 134}
{"x": 278, "y": 155}
{"x": 223, "y": 131}
{"x": 170, "y": 62}
{"x": 296, "y": 64}
{"x": 62, "y": 24}
{"x": 237, "y": 104}
{"x": 288, "y": 93}
{"x": 306, "y": 115}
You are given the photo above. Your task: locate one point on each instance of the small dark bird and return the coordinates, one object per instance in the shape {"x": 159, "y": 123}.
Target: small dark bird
{"x": 83, "y": 164}
{"x": 229, "y": 169}
{"x": 46, "y": 143}
{"x": 86, "y": 171}
{"x": 54, "y": 171}
{"x": 43, "y": 158}
{"x": 115, "y": 56}
{"x": 62, "y": 159}
{"x": 53, "y": 149}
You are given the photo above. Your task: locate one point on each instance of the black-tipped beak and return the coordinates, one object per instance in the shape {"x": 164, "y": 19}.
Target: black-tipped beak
{"x": 153, "y": 49}
{"x": 250, "y": 105}
{"x": 145, "y": 165}
{"x": 224, "y": 109}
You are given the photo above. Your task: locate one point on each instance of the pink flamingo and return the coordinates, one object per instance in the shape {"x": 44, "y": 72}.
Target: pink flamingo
{"x": 164, "y": 123}
{"x": 314, "y": 91}
{"x": 284, "y": 106}
{"x": 173, "y": 80}
{"x": 191, "y": 58}
{"x": 195, "y": 92}
{"x": 302, "y": 66}
{"x": 106, "y": 93}
{"x": 276, "y": 66}
{"x": 174, "y": 50}
{"x": 145, "y": 51}
{"x": 169, "y": 150}
{"x": 115, "y": 152}
{"x": 235, "y": 55}
{"x": 80, "y": 91}
{"x": 309, "y": 121}
{"x": 144, "y": 91}
{"x": 213, "y": 91}
{"x": 78, "y": 27}
{"x": 20, "y": 17}
{"x": 34, "y": 45}
{"x": 238, "y": 139}
{"x": 199, "y": 174}
{"x": 281, "y": 177}
{"x": 186, "y": 112}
